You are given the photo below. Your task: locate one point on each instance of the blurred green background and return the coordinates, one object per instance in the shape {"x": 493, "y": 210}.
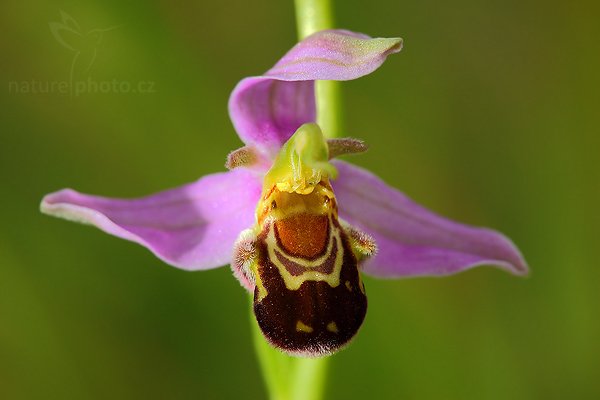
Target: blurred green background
{"x": 489, "y": 116}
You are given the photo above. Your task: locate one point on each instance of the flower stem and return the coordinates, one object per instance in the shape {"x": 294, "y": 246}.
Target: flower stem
{"x": 313, "y": 16}
{"x": 288, "y": 378}
{"x": 292, "y": 378}
{"x": 275, "y": 365}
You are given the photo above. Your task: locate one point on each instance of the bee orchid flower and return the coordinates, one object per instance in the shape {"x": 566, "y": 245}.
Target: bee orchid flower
{"x": 297, "y": 226}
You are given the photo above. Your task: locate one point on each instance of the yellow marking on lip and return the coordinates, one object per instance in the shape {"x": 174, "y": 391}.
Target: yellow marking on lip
{"x": 262, "y": 291}
{"x": 348, "y": 286}
{"x": 302, "y": 327}
{"x": 293, "y": 282}
{"x": 332, "y": 327}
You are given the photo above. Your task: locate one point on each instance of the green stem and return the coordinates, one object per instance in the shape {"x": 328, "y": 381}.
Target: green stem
{"x": 292, "y": 378}
{"x": 313, "y": 16}
{"x": 275, "y": 365}
{"x": 288, "y": 378}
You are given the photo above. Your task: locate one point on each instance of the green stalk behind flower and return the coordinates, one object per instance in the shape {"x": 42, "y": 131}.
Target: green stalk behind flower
{"x": 290, "y": 378}
{"x": 313, "y": 16}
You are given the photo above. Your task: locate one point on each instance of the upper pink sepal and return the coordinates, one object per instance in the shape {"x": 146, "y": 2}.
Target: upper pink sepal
{"x": 266, "y": 110}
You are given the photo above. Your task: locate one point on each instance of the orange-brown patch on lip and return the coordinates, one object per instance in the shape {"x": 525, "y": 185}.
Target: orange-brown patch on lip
{"x": 303, "y": 235}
